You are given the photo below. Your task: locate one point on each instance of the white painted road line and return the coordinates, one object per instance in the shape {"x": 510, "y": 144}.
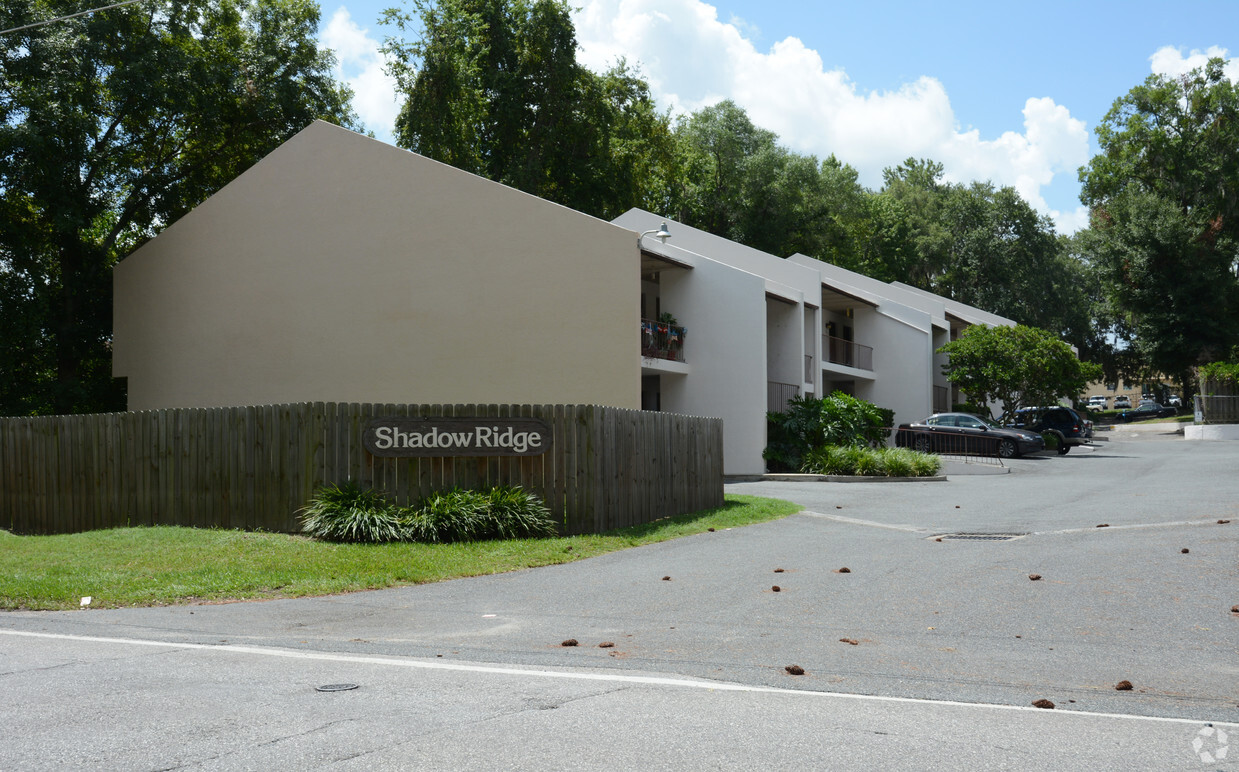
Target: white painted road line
{"x": 682, "y": 683}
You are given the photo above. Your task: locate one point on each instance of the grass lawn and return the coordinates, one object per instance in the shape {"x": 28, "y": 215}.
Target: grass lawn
{"x": 165, "y": 565}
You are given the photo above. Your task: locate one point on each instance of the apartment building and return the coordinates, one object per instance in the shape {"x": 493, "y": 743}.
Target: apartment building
{"x": 343, "y": 269}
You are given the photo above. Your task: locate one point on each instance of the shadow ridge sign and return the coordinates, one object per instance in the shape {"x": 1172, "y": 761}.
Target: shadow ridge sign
{"x": 445, "y": 437}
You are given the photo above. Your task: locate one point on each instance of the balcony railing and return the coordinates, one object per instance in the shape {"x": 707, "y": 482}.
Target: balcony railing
{"x": 779, "y": 394}
{"x": 662, "y": 341}
{"x": 847, "y": 353}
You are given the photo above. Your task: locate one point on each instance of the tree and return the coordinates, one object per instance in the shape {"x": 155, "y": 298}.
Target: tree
{"x": 1018, "y": 366}
{"x": 493, "y": 87}
{"x": 721, "y": 148}
{"x": 113, "y": 125}
{"x": 916, "y": 187}
{"x": 739, "y": 183}
{"x": 1164, "y": 195}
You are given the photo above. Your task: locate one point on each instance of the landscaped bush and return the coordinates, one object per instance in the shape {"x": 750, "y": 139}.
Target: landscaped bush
{"x": 518, "y": 514}
{"x": 807, "y": 424}
{"x": 870, "y": 462}
{"x": 347, "y": 513}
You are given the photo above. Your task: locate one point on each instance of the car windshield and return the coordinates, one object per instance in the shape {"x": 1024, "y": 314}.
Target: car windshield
{"x": 981, "y": 420}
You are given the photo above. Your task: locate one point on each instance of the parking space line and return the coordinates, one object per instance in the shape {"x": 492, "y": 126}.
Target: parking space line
{"x": 682, "y": 683}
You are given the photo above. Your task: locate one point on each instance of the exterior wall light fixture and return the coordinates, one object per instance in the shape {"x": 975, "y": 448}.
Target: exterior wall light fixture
{"x": 662, "y": 234}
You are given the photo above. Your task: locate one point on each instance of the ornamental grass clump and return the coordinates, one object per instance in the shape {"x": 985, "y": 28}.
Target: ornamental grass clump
{"x": 503, "y": 512}
{"x": 904, "y": 462}
{"x": 519, "y": 514}
{"x": 447, "y": 516}
{"x": 350, "y": 513}
{"x": 868, "y": 462}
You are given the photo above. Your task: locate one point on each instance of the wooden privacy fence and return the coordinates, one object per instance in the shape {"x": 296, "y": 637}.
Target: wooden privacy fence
{"x": 254, "y": 467}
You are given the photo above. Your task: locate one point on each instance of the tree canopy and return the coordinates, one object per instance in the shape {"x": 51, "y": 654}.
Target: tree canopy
{"x": 113, "y": 125}
{"x": 1164, "y": 235}
{"x": 1018, "y": 366}
{"x": 493, "y": 87}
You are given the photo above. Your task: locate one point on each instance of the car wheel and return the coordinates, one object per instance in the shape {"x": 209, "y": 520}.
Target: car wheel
{"x": 1063, "y": 448}
{"x": 921, "y": 444}
{"x": 1006, "y": 449}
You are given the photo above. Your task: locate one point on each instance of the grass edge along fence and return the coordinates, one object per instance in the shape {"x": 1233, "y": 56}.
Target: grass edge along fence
{"x": 253, "y": 467}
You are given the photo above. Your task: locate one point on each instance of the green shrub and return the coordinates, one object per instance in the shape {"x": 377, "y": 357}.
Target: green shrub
{"x": 1051, "y": 440}
{"x": 925, "y": 464}
{"x": 518, "y": 514}
{"x": 807, "y": 424}
{"x": 870, "y": 462}
{"x": 1219, "y": 371}
{"x": 447, "y": 516}
{"x": 457, "y": 515}
{"x": 899, "y": 462}
{"x": 349, "y": 513}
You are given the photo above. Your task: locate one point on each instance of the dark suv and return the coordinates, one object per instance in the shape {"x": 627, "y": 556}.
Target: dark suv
{"x": 1071, "y": 428}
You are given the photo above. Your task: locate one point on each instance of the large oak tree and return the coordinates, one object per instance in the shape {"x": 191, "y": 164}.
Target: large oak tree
{"x": 112, "y": 125}
{"x": 1164, "y": 194}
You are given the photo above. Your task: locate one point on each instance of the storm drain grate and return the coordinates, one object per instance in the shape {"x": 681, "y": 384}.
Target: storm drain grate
{"x": 979, "y": 536}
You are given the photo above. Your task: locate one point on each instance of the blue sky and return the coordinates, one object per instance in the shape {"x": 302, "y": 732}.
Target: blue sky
{"x": 1003, "y": 92}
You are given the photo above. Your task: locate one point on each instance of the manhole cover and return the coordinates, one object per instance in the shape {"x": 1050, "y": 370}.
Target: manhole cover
{"x": 980, "y": 536}
{"x": 335, "y": 688}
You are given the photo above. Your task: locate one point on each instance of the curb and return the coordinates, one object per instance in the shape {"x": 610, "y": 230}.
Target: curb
{"x": 789, "y": 477}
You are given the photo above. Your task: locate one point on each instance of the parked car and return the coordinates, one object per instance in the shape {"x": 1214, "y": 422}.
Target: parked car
{"x": 1146, "y": 411}
{"x": 1097, "y": 402}
{"x": 1174, "y": 401}
{"x": 1071, "y": 428}
{"x": 966, "y": 434}
{"x": 1121, "y": 402}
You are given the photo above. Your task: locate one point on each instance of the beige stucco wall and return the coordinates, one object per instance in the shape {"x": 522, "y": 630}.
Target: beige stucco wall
{"x": 340, "y": 268}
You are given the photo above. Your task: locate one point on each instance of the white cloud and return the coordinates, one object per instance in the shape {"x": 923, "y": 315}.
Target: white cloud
{"x": 360, "y": 64}
{"x": 692, "y": 59}
{"x": 1170, "y": 61}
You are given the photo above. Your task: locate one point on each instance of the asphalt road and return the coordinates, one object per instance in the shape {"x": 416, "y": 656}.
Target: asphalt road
{"x": 953, "y": 643}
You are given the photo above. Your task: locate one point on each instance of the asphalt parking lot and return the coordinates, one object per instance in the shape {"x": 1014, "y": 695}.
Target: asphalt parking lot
{"x": 927, "y": 653}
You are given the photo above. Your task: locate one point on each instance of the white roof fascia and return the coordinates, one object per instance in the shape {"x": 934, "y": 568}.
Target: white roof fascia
{"x": 832, "y": 274}
{"x": 728, "y": 252}
{"x": 784, "y": 292}
{"x": 906, "y": 315}
{"x": 970, "y": 314}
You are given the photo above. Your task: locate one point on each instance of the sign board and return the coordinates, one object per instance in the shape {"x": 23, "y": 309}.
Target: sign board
{"x": 442, "y": 437}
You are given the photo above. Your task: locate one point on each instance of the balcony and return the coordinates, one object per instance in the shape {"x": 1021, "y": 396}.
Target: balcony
{"x": 844, "y": 352}
{"x": 660, "y": 340}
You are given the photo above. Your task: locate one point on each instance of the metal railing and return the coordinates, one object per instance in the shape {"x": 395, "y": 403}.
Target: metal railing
{"x": 779, "y": 394}
{"x": 960, "y": 448}
{"x": 847, "y": 353}
{"x": 662, "y": 341}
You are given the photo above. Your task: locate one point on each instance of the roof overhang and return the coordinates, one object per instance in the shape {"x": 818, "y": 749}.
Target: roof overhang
{"x": 653, "y": 262}
{"x": 834, "y": 299}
